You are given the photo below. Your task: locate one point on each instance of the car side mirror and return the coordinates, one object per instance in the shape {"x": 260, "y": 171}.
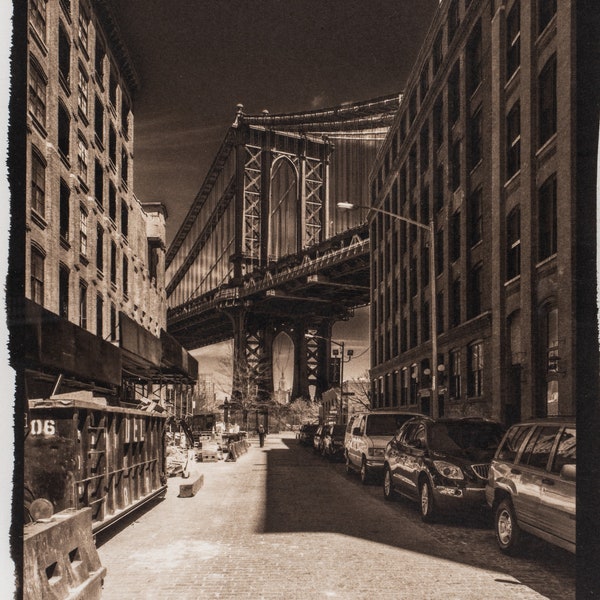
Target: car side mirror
{"x": 356, "y": 431}
{"x": 568, "y": 472}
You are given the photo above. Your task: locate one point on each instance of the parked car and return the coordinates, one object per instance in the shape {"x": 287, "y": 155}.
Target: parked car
{"x": 318, "y": 437}
{"x": 333, "y": 442}
{"x": 531, "y": 485}
{"x": 366, "y": 437}
{"x": 306, "y": 433}
{"x": 441, "y": 463}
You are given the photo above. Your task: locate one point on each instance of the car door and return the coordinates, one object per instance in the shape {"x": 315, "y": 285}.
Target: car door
{"x": 409, "y": 452}
{"x": 353, "y": 450}
{"x": 557, "y": 494}
{"x": 531, "y": 470}
{"x": 393, "y": 453}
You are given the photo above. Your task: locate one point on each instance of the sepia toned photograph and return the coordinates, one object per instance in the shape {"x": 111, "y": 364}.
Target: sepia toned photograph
{"x": 301, "y": 299}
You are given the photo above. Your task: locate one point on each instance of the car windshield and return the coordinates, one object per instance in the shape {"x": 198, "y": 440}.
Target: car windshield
{"x": 465, "y": 437}
{"x": 383, "y": 424}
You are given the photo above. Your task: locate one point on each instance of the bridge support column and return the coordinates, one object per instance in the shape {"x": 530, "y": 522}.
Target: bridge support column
{"x": 311, "y": 359}
{"x": 252, "y": 358}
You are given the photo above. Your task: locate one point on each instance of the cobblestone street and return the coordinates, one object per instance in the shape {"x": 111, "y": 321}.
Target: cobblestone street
{"x": 283, "y": 523}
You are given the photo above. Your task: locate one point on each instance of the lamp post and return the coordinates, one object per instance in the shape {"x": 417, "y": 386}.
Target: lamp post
{"x": 433, "y": 310}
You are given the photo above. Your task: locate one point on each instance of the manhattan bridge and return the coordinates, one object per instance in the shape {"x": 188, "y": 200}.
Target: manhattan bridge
{"x": 264, "y": 249}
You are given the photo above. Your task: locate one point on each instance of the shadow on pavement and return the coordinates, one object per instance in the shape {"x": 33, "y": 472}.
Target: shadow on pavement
{"x": 306, "y": 493}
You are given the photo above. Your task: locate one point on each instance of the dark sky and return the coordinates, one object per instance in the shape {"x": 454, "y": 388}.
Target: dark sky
{"x": 197, "y": 59}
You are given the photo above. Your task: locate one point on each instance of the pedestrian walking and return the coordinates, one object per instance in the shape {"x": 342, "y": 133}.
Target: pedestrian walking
{"x": 261, "y": 435}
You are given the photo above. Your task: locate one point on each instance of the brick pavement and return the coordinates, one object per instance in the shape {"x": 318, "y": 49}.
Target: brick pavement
{"x": 280, "y": 523}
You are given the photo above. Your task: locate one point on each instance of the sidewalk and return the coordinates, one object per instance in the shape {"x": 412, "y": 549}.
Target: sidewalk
{"x": 254, "y": 531}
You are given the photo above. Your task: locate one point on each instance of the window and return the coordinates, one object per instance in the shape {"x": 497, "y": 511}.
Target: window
{"x": 475, "y": 139}
{"x": 414, "y": 334}
{"x": 425, "y": 322}
{"x": 547, "y": 219}
{"x": 38, "y": 183}
{"x": 37, "y": 92}
{"x": 64, "y": 57}
{"x": 112, "y": 87}
{"x": 538, "y": 449}
{"x": 424, "y": 80}
{"x": 475, "y": 217}
{"x": 112, "y": 146}
{"x": 112, "y": 202}
{"x": 83, "y": 305}
{"x": 438, "y": 124}
{"x": 547, "y": 101}
{"x": 404, "y": 387}
{"x": 454, "y": 382}
{"x": 513, "y": 244}
{"x": 124, "y": 219}
{"x": 440, "y": 185}
{"x": 455, "y": 236}
{"x": 82, "y": 92}
{"x": 513, "y": 141}
{"x": 99, "y": 183}
{"x": 513, "y": 40}
{"x": 453, "y": 20}
{"x": 404, "y": 335}
{"x": 99, "y": 121}
{"x": 99, "y": 60}
{"x": 550, "y": 356}
{"x": 100, "y": 248}
{"x": 63, "y": 292}
{"x": 37, "y": 17}
{"x": 125, "y": 276}
{"x": 82, "y": 158}
{"x": 439, "y": 310}
{"x": 566, "y": 453}
{"x": 403, "y": 286}
{"x": 113, "y": 263}
{"x": 124, "y": 116}
{"x": 37, "y": 275}
{"x": 124, "y": 167}
{"x": 153, "y": 260}
{"x": 83, "y": 231}
{"x": 474, "y": 59}
{"x": 512, "y": 443}
{"x": 425, "y": 204}
{"x": 84, "y": 29}
{"x": 475, "y": 305}
{"x": 438, "y": 51}
{"x": 113, "y": 323}
{"x": 455, "y": 165}
{"x": 64, "y": 131}
{"x": 424, "y": 266}
{"x": 413, "y": 276}
{"x": 546, "y": 11}
{"x": 475, "y": 372}
{"x": 65, "y": 210}
{"x": 439, "y": 252}
{"x": 424, "y": 148}
{"x": 456, "y": 302}
{"x": 99, "y": 315}
{"x": 454, "y": 94}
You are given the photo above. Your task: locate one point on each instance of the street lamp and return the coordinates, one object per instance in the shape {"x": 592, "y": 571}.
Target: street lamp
{"x": 433, "y": 311}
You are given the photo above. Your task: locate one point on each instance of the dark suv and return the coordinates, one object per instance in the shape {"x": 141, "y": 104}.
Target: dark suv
{"x": 441, "y": 463}
{"x": 531, "y": 485}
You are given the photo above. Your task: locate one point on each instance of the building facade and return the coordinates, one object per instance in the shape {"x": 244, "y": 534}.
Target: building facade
{"x": 87, "y": 299}
{"x": 484, "y": 154}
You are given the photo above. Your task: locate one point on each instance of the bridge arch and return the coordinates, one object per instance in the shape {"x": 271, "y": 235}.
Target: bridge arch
{"x": 283, "y": 208}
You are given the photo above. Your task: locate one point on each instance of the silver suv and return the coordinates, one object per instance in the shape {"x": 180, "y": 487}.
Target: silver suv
{"x": 531, "y": 484}
{"x": 366, "y": 437}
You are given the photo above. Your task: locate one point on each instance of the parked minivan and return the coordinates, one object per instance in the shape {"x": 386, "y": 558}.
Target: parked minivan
{"x": 366, "y": 436}
{"x": 531, "y": 484}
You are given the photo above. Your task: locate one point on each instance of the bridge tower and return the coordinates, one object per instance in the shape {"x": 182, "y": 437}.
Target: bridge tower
{"x": 263, "y": 248}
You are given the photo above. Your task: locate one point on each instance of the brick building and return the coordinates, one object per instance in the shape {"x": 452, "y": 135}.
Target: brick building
{"x": 86, "y": 290}
{"x": 484, "y": 150}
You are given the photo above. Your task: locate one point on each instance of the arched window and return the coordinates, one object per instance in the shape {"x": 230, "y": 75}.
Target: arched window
{"x": 283, "y": 234}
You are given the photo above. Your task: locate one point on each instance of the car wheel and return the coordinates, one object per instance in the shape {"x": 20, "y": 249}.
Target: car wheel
{"x": 508, "y": 532}
{"x": 426, "y": 502}
{"x": 388, "y": 488}
{"x": 365, "y": 476}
